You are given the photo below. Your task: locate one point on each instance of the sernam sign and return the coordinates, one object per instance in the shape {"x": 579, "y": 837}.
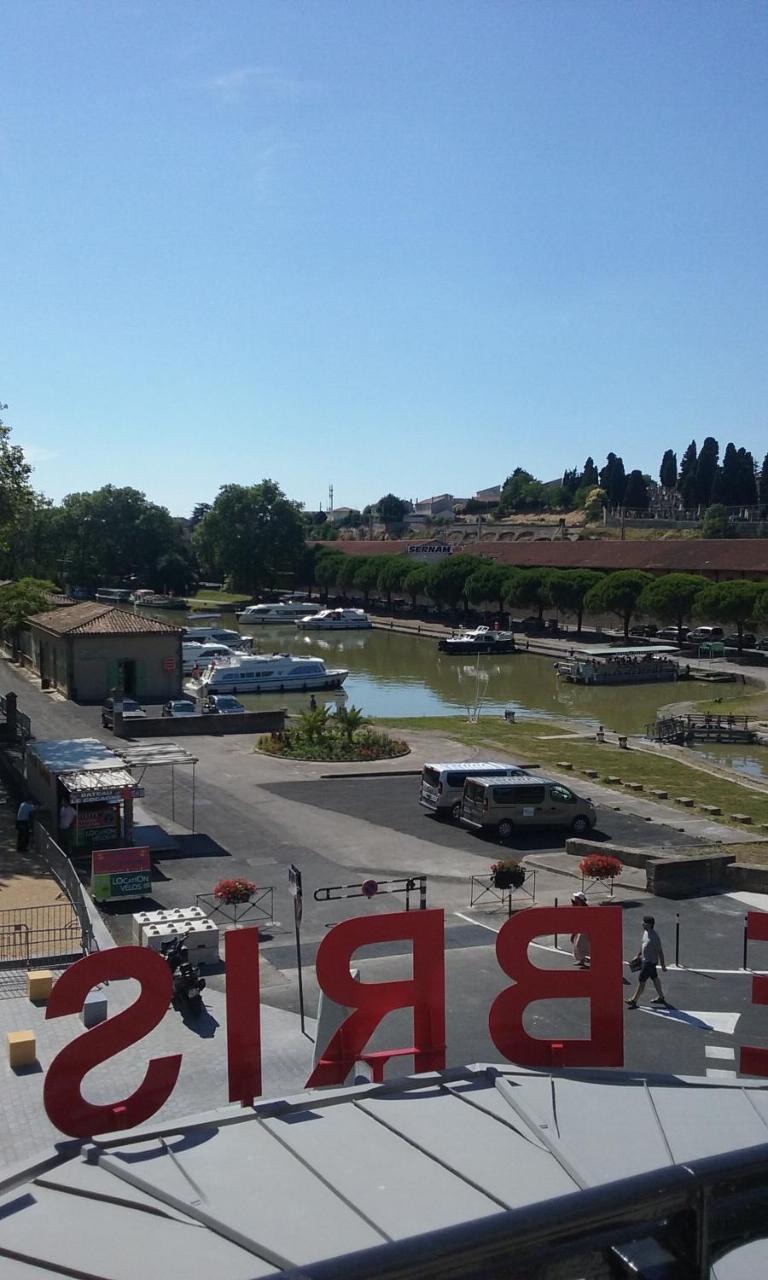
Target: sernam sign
{"x": 367, "y": 1004}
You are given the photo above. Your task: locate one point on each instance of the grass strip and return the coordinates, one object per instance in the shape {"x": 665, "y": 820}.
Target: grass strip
{"x": 529, "y": 739}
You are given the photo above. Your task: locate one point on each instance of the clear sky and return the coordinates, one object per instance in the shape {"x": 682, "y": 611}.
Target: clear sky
{"x": 397, "y": 246}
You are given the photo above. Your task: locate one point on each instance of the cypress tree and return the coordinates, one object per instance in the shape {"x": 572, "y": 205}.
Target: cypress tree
{"x": 635, "y": 492}
{"x": 686, "y": 480}
{"x": 706, "y": 470}
{"x": 763, "y": 482}
{"x": 668, "y": 470}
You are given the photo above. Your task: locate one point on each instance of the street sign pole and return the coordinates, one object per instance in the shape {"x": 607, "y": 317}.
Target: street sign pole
{"x": 296, "y": 892}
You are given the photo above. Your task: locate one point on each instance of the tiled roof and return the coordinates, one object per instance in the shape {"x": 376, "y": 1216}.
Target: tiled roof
{"x": 689, "y": 555}
{"x": 93, "y": 619}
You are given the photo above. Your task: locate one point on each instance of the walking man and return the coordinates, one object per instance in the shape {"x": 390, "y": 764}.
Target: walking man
{"x": 580, "y": 941}
{"x": 650, "y": 956}
{"x": 24, "y": 818}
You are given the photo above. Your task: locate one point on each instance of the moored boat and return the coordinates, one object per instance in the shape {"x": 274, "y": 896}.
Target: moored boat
{"x": 478, "y": 640}
{"x": 257, "y": 673}
{"x": 335, "y": 620}
{"x": 278, "y": 614}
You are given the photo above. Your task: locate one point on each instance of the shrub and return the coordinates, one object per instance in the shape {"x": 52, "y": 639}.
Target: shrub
{"x": 600, "y": 866}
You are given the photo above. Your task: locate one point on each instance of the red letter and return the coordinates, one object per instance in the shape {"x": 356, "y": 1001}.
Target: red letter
{"x": 754, "y": 1062}
{"x": 241, "y": 951}
{"x": 370, "y": 1001}
{"x": 66, "y": 1107}
{"x": 601, "y": 985}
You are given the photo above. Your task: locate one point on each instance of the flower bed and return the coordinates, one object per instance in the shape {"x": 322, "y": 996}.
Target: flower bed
{"x": 367, "y": 744}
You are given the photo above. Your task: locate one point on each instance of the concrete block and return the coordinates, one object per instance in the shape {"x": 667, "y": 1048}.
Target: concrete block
{"x": 39, "y": 984}
{"x": 679, "y": 877}
{"x": 22, "y": 1048}
{"x": 589, "y": 773}
{"x": 171, "y": 915}
{"x": 659, "y": 793}
{"x": 201, "y": 938}
{"x": 564, "y": 764}
{"x": 94, "y": 1008}
{"x": 611, "y": 778}
{"x": 686, "y": 801}
{"x": 712, "y": 809}
{"x": 741, "y": 817}
{"x": 634, "y": 786}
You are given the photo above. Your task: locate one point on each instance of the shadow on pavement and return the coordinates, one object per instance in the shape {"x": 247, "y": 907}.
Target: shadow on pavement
{"x": 198, "y": 845}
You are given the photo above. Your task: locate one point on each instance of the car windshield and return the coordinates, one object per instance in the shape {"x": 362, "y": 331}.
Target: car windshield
{"x": 184, "y": 708}
{"x": 227, "y": 702}
{"x": 130, "y": 705}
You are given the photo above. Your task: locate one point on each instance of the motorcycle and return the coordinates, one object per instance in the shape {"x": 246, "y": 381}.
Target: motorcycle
{"x": 188, "y": 986}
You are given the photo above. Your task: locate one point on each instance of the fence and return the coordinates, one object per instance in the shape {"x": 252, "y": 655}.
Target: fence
{"x": 259, "y": 910}
{"x": 23, "y": 724}
{"x": 66, "y": 876}
{"x": 45, "y": 932}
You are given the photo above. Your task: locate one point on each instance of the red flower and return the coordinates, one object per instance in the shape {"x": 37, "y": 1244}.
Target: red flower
{"x": 232, "y": 891}
{"x": 600, "y": 866}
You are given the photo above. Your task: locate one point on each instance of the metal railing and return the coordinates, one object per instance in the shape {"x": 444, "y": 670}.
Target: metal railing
{"x": 66, "y": 876}
{"x": 259, "y": 909}
{"x": 44, "y": 932}
{"x": 697, "y": 1212}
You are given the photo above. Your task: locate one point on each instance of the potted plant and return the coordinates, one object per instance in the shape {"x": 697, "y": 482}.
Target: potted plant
{"x": 599, "y": 866}
{"x": 234, "y": 892}
{"x": 508, "y": 873}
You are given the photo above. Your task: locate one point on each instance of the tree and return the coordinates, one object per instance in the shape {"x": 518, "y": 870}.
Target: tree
{"x": 763, "y": 483}
{"x": 747, "y": 488}
{"x": 113, "y": 535}
{"x": 734, "y": 601}
{"x": 706, "y": 470}
{"x": 198, "y": 513}
{"x": 530, "y": 588}
{"x": 252, "y": 534}
{"x": 489, "y": 583}
{"x": 392, "y": 510}
{"x": 521, "y": 492}
{"x": 416, "y": 582}
{"x": 19, "y": 601}
{"x": 613, "y": 479}
{"x": 448, "y": 578}
{"x": 618, "y": 593}
{"x": 16, "y": 492}
{"x": 635, "y": 492}
{"x": 569, "y": 588}
{"x": 350, "y": 719}
{"x": 392, "y": 572}
{"x": 589, "y": 475}
{"x": 668, "y": 470}
{"x": 366, "y": 575}
{"x": 328, "y": 568}
{"x": 715, "y": 523}
{"x": 595, "y": 503}
{"x": 672, "y": 598}
{"x": 174, "y": 572}
{"x": 686, "y": 480}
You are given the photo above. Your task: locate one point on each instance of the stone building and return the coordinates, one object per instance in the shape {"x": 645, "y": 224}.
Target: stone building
{"x": 91, "y": 650}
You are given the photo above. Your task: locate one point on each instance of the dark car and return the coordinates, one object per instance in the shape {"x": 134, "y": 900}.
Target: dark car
{"x": 748, "y": 641}
{"x": 225, "y": 704}
{"x": 180, "y": 707}
{"x": 131, "y": 710}
{"x": 648, "y": 630}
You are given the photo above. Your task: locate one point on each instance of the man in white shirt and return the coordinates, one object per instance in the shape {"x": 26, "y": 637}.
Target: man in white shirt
{"x": 24, "y": 819}
{"x": 650, "y": 955}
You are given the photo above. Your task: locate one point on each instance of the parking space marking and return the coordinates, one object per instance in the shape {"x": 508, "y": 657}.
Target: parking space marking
{"x": 715, "y": 1074}
{"x": 758, "y": 901}
{"x": 724, "y": 1023}
{"x": 722, "y": 1051}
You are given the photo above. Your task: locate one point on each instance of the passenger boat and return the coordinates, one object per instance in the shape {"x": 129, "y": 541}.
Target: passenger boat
{"x": 251, "y": 673}
{"x": 203, "y": 617}
{"x": 478, "y": 640}
{"x": 335, "y": 620}
{"x": 155, "y": 600}
{"x": 619, "y": 666}
{"x": 279, "y": 614}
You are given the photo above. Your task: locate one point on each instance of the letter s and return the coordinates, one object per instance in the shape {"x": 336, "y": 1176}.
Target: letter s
{"x": 64, "y": 1102}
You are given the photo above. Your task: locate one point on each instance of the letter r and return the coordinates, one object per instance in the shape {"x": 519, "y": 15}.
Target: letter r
{"x": 370, "y": 1001}
{"x": 752, "y": 1061}
{"x": 601, "y": 985}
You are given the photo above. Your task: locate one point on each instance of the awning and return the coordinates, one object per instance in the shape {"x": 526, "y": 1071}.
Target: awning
{"x": 89, "y": 785}
{"x": 147, "y": 755}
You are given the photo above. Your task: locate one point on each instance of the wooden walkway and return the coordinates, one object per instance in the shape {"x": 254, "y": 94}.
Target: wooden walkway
{"x": 701, "y": 728}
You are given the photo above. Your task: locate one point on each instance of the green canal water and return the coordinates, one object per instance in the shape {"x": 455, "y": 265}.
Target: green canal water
{"x": 391, "y": 674}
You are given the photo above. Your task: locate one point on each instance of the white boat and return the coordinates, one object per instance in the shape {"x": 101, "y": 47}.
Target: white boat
{"x": 194, "y": 654}
{"x": 335, "y": 620}
{"x": 202, "y": 617}
{"x": 216, "y": 635}
{"x": 277, "y": 614}
{"x": 155, "y": 600}
{"x": 251, "y": 673}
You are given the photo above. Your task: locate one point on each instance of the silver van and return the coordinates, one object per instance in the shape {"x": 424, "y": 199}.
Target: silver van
{"x": 502, "y": 806}
{"x": 442, "y": 785}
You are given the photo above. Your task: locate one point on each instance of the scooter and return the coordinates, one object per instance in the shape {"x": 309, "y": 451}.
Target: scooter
{"x": 188, "y": 986}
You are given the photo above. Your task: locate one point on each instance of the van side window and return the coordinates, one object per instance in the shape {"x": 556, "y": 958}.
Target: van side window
{"x": 518, "y": 795}
{"x": 455, "y": 779}
{"x": 562, "y": 794}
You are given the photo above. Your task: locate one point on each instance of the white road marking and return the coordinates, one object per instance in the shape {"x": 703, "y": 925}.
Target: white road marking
{"x": 757, "y": 900}
{"x": 560, "y": 951}
{"x": 715, "y": 1074}
{"x": 719, "y": 1051}
{"x": 724, "y": 1023}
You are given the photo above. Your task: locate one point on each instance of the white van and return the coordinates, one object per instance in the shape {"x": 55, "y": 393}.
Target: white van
{"x": 442, "y": 784}
{"x": 700, "y": 635}
{"x": 501, "y": 807}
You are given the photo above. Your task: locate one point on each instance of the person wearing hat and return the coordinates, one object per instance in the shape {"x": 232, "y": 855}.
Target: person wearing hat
{"x": 580, "y": 941}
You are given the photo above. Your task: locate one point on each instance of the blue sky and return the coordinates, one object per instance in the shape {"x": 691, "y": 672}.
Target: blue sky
{"x": 396, "y": 246}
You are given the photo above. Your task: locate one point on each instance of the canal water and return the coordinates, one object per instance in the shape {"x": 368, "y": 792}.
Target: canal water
{"x": 391, "y": 674}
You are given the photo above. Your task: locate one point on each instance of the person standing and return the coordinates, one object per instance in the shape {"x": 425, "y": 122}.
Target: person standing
{"x": 67, "y": 816}
{"x": 24, "y": 819}
{"x": 650, "y": 956}
{"x": 580, "y": 941}
{"x": 312, "y": 702}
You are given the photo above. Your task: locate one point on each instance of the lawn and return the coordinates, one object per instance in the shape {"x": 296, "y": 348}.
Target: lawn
{"x": 534, "y": 741}
{"x": 219, "y": 597}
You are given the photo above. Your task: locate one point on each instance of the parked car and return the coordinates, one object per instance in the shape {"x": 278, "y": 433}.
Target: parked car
{"x": 668, "y": 635}
{"x": 131, "y": 710}
{"x": 702, "y": 634}
{"x": 748, "y": 640}
{"x": 225, "y": 704}
{"x": 762, "y": 644}
{"x": 180, "y": 707}
{"x": 646, "y": 629}
{"x": 442, "y": 785}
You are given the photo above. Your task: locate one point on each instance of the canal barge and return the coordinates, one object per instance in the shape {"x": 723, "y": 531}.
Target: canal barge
{"x": 478, "y": 640}
{"x": 650, "y": 664}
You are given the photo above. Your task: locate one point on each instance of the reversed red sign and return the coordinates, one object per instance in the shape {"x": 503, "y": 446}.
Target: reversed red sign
{"x": 111, "y": 861}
